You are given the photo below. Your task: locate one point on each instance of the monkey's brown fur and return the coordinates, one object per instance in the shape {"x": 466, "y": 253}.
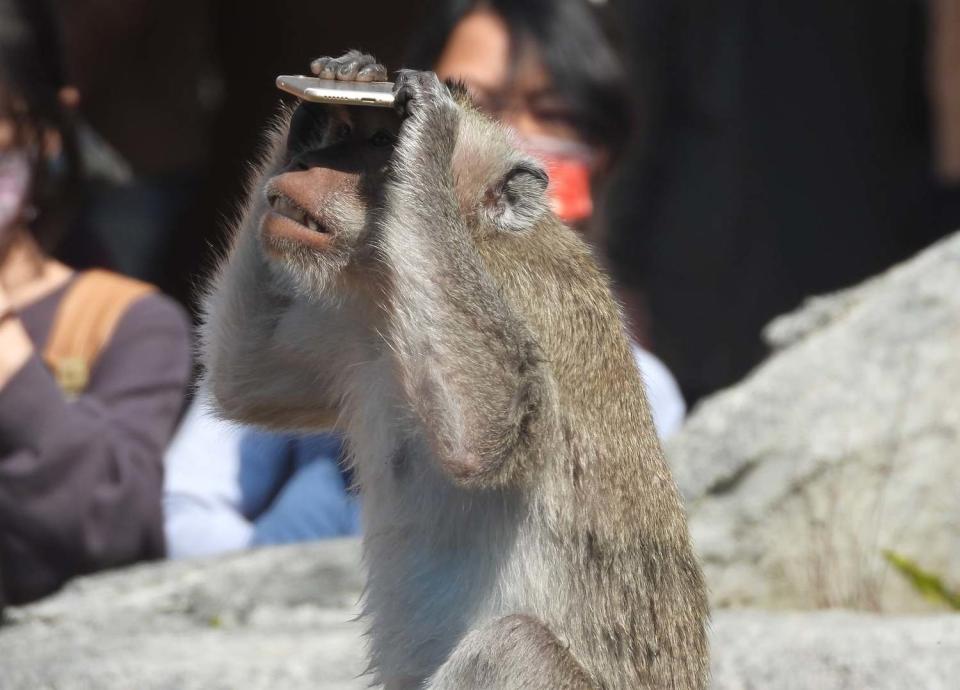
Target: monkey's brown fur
{"x": 521, "y": 527}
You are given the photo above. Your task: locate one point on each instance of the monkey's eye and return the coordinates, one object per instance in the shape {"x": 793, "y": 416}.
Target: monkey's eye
{"x": 343, "y": 131}
{"x": 382, "y": 137}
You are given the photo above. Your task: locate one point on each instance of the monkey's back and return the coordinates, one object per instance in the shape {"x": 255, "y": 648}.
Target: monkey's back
{"x": 631, "y": 602}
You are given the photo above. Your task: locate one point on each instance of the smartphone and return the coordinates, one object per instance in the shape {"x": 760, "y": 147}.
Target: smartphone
{"x": 373, "y": 93}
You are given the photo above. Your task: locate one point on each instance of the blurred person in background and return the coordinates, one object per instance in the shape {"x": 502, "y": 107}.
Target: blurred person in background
{"x": 93, "y": 366}
{"x": 543, "y": 67}
{"x": 229, "y": 488}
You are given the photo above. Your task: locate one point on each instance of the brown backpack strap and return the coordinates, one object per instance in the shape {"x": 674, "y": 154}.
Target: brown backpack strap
{"x": 84, "y": 323}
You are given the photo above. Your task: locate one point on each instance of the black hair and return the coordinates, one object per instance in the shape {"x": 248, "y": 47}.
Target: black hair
{"x": 577, "y": 43}
{"x": 31, "y": 77}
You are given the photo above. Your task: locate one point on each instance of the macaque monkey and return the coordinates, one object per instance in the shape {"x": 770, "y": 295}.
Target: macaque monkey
{"x": 399, "y": 275}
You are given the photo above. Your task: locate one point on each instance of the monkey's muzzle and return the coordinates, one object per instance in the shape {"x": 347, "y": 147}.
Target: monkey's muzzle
{"x": 286, "y": 221}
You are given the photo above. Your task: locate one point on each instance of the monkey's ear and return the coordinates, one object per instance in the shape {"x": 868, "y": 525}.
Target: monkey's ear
{"x": 519, "y": 200}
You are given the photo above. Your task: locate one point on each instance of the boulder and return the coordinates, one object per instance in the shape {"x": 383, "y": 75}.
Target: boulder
{"x": 833, "y": 650}
{"x": 284, "y": 618}
{"x": 845, "y": 443}
{"x": 260, "y": 620}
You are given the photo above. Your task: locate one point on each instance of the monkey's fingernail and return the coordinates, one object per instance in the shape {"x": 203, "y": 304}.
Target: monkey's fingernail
{"x": 372, "y": 73}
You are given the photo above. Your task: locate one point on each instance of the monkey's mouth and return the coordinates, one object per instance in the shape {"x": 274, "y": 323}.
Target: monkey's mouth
{"x": 288, "y": 222}
{"x": 285, "y": 207}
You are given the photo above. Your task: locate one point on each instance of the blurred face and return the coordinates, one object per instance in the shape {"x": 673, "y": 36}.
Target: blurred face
{"x": 13, "y": 135}
{"x": 15, "y": 172}
{"x": 518, "y": 91}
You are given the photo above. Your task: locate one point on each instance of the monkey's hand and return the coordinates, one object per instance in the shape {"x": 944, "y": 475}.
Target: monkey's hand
{"x": 428, "y": 132}
{"x": 353, "y": 66}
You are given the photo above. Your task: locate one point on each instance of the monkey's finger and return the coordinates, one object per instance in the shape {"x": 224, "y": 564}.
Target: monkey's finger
{"x": 318, "y": 65}
{"x": 374, "y": 72}
{"x": 326, "y": 68}
{"x": 350, "y": 66}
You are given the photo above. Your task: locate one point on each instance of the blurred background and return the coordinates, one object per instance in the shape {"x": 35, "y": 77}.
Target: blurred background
{"x": 781, "y": 150}
{"x": 726, "y": 161}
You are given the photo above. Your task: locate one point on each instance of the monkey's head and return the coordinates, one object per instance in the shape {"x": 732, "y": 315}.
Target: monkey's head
{"x": 325, "y": 190}
{"x": 326, "y": 196}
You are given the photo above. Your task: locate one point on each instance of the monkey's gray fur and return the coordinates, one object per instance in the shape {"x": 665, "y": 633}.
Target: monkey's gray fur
{"x": 521, "y": 529}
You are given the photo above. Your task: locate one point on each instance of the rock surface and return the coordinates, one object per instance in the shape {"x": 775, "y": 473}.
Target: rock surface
{"x": 844, "y": 443}
{"x": 834, "y": 650}
{"x": 263, "y": 620}
{"x": 281, "y": 618}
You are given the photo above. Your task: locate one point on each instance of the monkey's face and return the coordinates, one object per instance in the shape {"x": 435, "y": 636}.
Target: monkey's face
{"x": 326, "y": 198}
{"x": 327, "y": 185}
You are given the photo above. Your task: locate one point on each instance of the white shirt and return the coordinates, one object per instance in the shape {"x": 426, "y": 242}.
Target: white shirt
{"x": 666, "y": 401}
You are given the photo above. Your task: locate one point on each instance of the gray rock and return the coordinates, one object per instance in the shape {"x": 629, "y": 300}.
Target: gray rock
{"x": 844, "y": 443}
{"x": 266, "y": 619}
{"x": 834, "y": 650}
{"x": 282, "y": 618}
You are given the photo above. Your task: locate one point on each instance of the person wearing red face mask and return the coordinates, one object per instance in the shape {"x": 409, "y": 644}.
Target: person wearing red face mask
{"x": 547, "y": 69}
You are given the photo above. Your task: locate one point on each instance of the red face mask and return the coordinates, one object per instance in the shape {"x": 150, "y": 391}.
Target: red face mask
{"x": 568, "y": 164}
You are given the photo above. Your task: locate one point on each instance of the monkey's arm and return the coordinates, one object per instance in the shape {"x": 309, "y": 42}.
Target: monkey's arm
{"x": 250, "y": 377}
{"x": 470, "y": 367}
